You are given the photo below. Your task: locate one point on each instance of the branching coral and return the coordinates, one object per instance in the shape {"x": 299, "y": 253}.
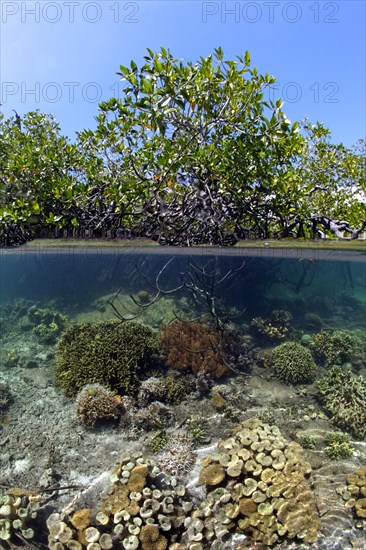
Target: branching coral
{"x": 195, "y": 346}
{"x": 344, "y": 397}
{"x": 177, "y": 457}
{"x": 152, "y": 389}
{"x": 338, "y": 446}
{"x": 293, "y": 363}
{"x": 332, "y": 348}
{"x": 111, "y": 353}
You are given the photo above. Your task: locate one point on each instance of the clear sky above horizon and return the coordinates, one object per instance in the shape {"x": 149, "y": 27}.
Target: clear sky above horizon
{"x": 62, "y": 56}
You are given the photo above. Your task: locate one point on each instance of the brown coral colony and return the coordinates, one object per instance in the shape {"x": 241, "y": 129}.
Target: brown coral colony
{"x": 194, "y": 345}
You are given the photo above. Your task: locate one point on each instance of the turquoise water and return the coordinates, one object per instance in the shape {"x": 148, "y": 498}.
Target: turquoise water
{"x": 253, "y": 300}
{"x": 302, "y": 281}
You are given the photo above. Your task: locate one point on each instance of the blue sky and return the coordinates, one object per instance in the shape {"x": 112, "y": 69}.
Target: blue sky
{"x": 62, "y": 56}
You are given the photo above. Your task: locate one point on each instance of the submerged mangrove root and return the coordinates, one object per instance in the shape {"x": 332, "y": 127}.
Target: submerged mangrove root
{"x": 204, "y": 284}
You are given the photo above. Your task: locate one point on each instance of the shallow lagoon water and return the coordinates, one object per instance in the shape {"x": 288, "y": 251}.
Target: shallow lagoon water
{"x": 44, "y": 446}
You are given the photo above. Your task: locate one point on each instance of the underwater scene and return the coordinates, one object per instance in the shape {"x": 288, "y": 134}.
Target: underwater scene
{"x": 171, "y": 398}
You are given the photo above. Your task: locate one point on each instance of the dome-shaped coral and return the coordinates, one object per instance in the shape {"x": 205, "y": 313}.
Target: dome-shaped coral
{"x": 94, "y": 403}
{"x": 293, "y": 363}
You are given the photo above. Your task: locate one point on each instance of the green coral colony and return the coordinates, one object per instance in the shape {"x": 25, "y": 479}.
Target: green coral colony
{"x": 111, "y": 353}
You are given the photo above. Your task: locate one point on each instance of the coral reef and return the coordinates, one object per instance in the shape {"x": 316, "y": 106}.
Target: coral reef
{"x": 9, "y": 358}
{"x": 332, "y": 348}
{"x": 111, "y": 353}
{"x": 23, "y": 315}
{"x": 143, "y": 508}
{"x": 47, "y": 323}
{"x": 177, "y": 387}
{"x": 203, "y": 384}
{"x": 359, "y": 352}
{"x": 177, "y": 457}
{"x": 256, "y": 485}
{"x": 308, "y": 441}
{"x": 343, "y": 396}
{"x": 293, "y": 363}
{"x": 275, "y": 327}
{"x": 94, "y": 403}
{"x": 169, "y": 389}
{"x": 249, "y": 354}
{"x": 17, "y": 514}
{"x": 190, "y": 345}
{"x": 338, "y": 446}
{"x": 12, "y": 313}
{"x": 356, "y": 486}
{"x": 158, "y": 441}
{"x": 152, "y": 389}
{"x": 354, "y": 495}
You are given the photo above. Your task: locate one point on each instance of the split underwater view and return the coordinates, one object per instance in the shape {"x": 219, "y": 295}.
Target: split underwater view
{"x": 182, "y": 276}
{"x": 182, "y": 398}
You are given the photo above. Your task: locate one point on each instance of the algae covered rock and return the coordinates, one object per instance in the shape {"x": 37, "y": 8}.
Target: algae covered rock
{"x": 293, "y": 363}
{"x": 111, "y": 353}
